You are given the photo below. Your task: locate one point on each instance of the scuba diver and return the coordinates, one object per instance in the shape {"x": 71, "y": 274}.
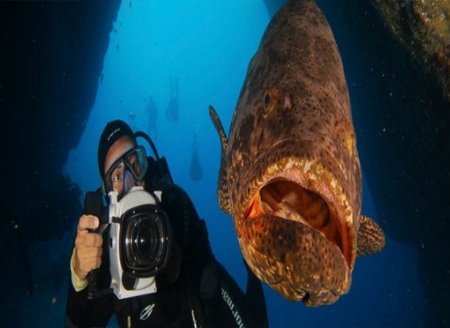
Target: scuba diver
{"x": 173, "y": 106}
{"x": 145, "y": 257}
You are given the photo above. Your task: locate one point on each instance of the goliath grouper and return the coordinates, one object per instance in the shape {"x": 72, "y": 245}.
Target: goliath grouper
{"x": 290, "y": 173}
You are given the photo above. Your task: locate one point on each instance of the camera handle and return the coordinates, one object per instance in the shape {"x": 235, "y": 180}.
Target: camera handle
{"x": 93, "y": 206}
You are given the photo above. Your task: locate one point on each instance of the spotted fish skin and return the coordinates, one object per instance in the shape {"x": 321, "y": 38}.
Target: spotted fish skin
{"x": 290, "y": 174}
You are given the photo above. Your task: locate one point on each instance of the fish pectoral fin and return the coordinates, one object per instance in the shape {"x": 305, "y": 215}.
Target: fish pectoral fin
{"x": 370, "y": 237}
{"x": 222, "y": 189}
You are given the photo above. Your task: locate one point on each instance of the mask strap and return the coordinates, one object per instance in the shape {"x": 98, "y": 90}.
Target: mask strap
{"x": 145, "y": 136}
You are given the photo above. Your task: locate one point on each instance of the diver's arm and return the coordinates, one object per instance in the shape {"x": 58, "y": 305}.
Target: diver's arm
{"x": 77, "y": 283}
{"x": 81, "y": 311}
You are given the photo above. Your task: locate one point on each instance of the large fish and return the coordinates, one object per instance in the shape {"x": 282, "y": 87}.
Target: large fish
{"x": 290, "y": 174}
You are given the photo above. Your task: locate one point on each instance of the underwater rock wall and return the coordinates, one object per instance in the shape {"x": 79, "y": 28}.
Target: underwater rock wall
{"x": 52, "y": 57}
{"x": 423, "y": 28}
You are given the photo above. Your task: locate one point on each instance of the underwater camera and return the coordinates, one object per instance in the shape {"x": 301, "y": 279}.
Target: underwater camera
{"x": 139, "y": 242}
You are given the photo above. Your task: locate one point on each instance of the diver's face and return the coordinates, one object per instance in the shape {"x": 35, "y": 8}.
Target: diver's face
{"x": 120, "y": 147}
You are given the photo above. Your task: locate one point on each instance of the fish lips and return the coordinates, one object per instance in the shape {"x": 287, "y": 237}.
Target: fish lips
{"x": 295, "y": 259}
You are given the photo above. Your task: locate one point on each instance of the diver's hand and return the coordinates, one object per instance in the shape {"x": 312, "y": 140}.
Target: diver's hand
{"x": 88, "y": 246}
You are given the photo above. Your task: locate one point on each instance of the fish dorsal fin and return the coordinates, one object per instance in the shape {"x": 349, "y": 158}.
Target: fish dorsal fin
{"x": 222, "y": 188}
{"x": 219, "y": 127}
{"x": 370, "y": 237}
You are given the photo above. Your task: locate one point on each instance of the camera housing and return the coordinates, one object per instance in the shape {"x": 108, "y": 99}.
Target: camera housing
{"x": 139, "y": 242}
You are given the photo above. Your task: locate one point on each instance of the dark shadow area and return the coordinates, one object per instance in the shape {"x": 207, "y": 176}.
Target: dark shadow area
{"x": 51, "y": 57}
{"x": 403, "y": 128}
{"x": 55, "y": 213}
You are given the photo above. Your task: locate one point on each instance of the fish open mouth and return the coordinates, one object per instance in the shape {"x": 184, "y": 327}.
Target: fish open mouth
{"x": 286, "y": 199}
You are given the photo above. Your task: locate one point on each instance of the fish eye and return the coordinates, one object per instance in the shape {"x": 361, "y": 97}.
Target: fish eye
{"x": 270, "y": 100}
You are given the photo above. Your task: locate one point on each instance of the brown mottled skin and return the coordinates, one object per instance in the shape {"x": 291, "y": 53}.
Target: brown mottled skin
{"x": 290, "y": 173}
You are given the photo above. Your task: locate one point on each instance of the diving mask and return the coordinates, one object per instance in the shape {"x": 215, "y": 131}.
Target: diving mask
{"x": 127, "y": 171}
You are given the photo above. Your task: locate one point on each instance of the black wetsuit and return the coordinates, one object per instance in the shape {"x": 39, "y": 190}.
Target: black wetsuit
{"x": 202, "y": 295}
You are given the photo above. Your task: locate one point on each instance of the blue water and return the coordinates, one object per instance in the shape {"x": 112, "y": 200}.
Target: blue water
{"x": 207, "y": 46}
